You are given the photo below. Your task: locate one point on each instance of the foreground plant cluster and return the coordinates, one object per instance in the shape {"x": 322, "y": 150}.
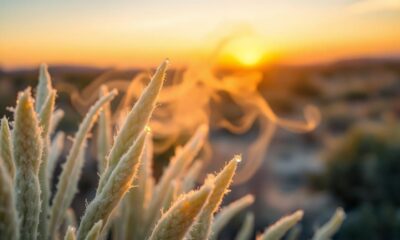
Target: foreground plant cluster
{"x": 129, "y": 203}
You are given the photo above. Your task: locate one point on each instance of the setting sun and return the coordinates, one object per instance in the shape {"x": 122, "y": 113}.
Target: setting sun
{"x": 246, "y": 51}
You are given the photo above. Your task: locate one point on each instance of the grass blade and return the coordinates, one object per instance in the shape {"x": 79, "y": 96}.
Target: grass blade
{"x": 117, "y": 185}
{"x": 228, "y": 212}
{"x": 247, "y": 228}
{"x": 55, "y": 151}
{"x": 280, "y": 228}
{"x": 70, "y": 234}
{"x": 134, "y": 123}
{"x": 94, "y": 233}
{"x": 43, "y": 88}
{"x": 202, "y": 228}
{"x": 175, "y": 169}
{"x": 45, "y": 120}
{"x": 67, "y": 184}
{"x": 104, "y": 135}
{"x": 136, "y": 200}
{"x": 331, "y": 227}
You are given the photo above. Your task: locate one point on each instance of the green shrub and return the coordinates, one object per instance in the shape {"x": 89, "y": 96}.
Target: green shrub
{"x": 365, "y": 167}
{"x": 363, "y": 174}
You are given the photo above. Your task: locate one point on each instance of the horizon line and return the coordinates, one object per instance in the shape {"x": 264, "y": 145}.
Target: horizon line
{"x": 316, "y": 63}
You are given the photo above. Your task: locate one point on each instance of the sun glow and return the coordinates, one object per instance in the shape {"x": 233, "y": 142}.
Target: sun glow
{"x": 245, "y": 51}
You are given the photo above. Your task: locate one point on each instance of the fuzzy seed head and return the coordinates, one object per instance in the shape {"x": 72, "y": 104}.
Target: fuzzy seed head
{"x": 26, "y": 135}
{"x": 27, "y": 151}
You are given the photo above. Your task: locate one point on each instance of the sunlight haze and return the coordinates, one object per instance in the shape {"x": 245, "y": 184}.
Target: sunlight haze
{"x": 136, "y": 33}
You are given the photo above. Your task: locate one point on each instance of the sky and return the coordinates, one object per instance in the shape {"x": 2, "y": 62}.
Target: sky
{"x": 126, "y": 33}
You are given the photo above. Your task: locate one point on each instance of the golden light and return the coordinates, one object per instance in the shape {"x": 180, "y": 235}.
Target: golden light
{"x": 246, "y": 51}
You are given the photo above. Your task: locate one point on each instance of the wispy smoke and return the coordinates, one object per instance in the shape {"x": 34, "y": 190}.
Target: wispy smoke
{"x": 197, "y": 95}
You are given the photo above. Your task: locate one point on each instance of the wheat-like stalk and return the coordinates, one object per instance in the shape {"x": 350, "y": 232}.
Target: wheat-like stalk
{"x": 134, "y": 123}
{"x": 94, "y": 233}
{"x": 67, "y": 184}
{"x": 281, "y": 227}
{"x": 44, "y": 87}
{"x": 55, "y": 151}
{"x": 247, "y": 228}
{"x": 178, "y": 164}
{"x": 128, "y": 201}
{"x": 139, "y": 195}
{"x": 6, "y": 148}
{"x": 104, "y": 135}
{"x": 174, "y": 224}
{"x": 57, "y": 117}
{"x": 331, "y": 227}
{"x": 228, "y": 212}
{"x": 117, "y": 185}
{"x": 9, "y": 226}
{"x": 27, "y": 151}
{"x": 189, "y": 180}
{"x": 45, "y": 118}
{"x": 70, "y": 234}
{"x": 202, "y": 229}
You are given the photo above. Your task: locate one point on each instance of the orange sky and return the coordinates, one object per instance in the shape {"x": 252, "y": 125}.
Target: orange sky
{"x": 131, "y": 33}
